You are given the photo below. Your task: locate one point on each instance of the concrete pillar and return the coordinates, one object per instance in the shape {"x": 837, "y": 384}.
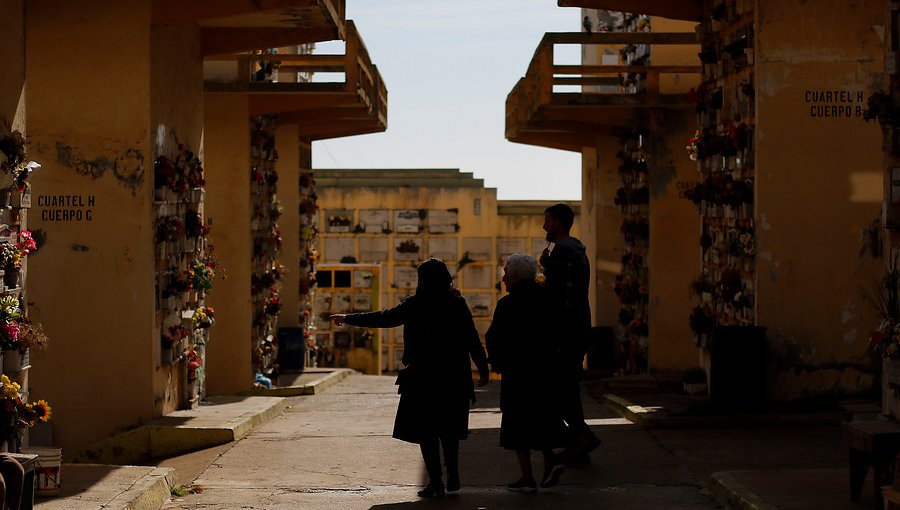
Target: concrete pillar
{"x": 288, "y": 166}
{"x": 674, "y": 243}
{"x": 12, "y": 53}
{"x": 227, "y": 149}
{"x": 92, "y": 284}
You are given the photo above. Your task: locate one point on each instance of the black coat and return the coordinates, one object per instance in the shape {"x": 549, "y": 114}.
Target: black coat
{"x": 436, "y": 387}
{"x": 520, "y": 346}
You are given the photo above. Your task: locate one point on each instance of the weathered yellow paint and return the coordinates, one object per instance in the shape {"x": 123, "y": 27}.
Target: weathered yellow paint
{"x": 812, "y": 202}
{"x": 227, "y": 148}
{"x": 496, "y": 219}
{"x": 674, "y": 244}
{"x": 92, "y": 284}
{"x": 12, "y": 54}
{"x": 176, "y": 117}
{"x": 288, "y": 166}
{"x": 600, "y": 174}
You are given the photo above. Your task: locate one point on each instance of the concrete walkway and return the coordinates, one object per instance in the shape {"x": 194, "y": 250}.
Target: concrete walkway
{"x": 334, "y": 451}
{"x": 212, "y": 427}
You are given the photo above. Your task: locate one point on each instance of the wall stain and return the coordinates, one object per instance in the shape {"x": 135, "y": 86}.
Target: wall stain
{"x": 80, "y": 247}
{"x": 127, "y": 167}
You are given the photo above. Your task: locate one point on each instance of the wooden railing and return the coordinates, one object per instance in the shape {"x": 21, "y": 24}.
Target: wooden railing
{"x": 535, "y": 89}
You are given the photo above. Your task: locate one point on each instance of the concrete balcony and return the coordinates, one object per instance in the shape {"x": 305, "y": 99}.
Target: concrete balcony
{"x": 537, "y": 113}
{"x": 238, "y": 25}
{"x": 355, "y": 105}
{"x": 687, "y": 10}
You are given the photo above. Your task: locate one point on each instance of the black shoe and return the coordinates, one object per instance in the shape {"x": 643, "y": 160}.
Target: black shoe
{"x": 526, "y": 485}
{"x": 452, "y": 483}
{"x": 432, "y": 491}
{"x": 552, "y": 474}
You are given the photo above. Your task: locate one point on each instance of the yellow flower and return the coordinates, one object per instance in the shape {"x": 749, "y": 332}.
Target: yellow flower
{"x": 10, "y": 389}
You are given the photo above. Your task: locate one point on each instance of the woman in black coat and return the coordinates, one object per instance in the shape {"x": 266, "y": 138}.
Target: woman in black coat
{"x": 436, "y": 387}
{"x": 518, "y": 343}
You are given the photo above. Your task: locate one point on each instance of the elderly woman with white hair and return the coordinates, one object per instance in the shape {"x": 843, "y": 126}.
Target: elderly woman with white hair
{"x": 518, "y": 347}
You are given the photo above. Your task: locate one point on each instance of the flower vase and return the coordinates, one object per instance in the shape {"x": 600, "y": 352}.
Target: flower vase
{"x": 15, "y": 361}
{"x": 890, "y": 387}
{"x": 5, "y": 198}
{"x": 197, "y": 195}
{"x": 11, "y": 279}
{"x": 22, "y": 200}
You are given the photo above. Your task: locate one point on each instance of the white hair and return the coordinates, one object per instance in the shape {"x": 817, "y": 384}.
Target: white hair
{"x": 521, "y": 267}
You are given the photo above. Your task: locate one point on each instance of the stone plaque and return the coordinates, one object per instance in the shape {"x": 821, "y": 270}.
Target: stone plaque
{"x": 405, "y": 277}
{"x": 479, "y": 304}
{"x": 342, "y": 303}
{"x": 337, "y": 248}
{"x": 477, "y": 277}
{"x": 408, "y": 248}
{"x": 373, "y": 249}
{"x": 442, "y": 221}
{"x": 363, "y": 279}
{"x": 506, "y": 246}
{"x": 407, "y": 221}
{"x": 362, "y": 302}
{"x": 444, "y": 248}
{"x": 374, "y": 221}
{"x": 339, "y": 220}
{"x": 477, "y": 248}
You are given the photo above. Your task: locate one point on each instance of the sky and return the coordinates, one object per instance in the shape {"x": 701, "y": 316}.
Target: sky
{"x": 448, "y": 66}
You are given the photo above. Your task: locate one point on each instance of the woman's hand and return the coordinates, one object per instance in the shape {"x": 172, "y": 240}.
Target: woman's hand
{"x": 338, "y": 318}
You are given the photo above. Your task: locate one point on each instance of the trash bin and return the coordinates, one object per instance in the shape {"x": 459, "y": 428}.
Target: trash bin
{"x": 291, "y": 349}
{"x": 737, "y": 375}
{"x": 601, "y": 349}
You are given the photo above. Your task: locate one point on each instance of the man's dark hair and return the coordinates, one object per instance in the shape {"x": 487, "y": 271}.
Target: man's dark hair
{"x": 563, "y": 213}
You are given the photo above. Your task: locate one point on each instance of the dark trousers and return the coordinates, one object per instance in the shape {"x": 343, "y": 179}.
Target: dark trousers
{"x": 432, "y": 456}
{"x": 570, "y": 398}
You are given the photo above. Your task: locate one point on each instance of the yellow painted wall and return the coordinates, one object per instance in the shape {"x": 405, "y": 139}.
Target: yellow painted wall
{"x": 601, "y": 172}
{"x": 12, "y": 53}
{"x": 176, "y": 116}
{"x": 674, "y": 244}
{"x": 226, "y": 140}
{"x": 488, "y": 224}
{"x": 92, "y": 283}
{"x": 818, "y": 184}
{"x": 288, "y": 165}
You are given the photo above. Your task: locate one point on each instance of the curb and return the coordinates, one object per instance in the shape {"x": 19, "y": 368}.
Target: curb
{"x": 313, "y": 388}
{"x": 657, "y": 417}
{"x": 150, "y": 493}
{"x": 731, "y": 494}
{"x": 160, "y": 439}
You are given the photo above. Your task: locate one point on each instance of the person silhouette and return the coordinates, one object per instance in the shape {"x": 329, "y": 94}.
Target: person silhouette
{"x": 436, "y": 386}
{"x": 517, "y": 343}
{"x": 566, "y": 278}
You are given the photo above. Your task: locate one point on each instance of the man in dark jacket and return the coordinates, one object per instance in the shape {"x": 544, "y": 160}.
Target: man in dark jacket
{"x": 567, "y": 276}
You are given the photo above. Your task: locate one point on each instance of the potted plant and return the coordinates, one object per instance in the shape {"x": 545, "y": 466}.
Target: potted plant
{"x": 694, "y": 380}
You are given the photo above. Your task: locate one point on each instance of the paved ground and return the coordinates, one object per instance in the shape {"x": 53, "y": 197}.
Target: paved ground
{"x": 334, "y": 451}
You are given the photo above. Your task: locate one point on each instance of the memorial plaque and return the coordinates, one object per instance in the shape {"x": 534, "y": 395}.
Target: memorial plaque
{"x": 343, "y": 303}
{"x": 362, "y": 302}
{"x": 407, "y": 221}
{"x": 477, "y": 248}
{"x": 479, "y": 304}
{"x": 405, "y": 277}
{"x": 444, "y": 248}
{"x": 374, "y": 221}
{"x": 477, "y": 277}
{"x": 442, "y": 221}
{"x": 363, "y": 279}
{"x": 339, "y": 220}
{"x": 337, "y": 248}
{"x": 373, "y": 249}
{"x": 408, "y": 248}
{"x": 506, "y": 246}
